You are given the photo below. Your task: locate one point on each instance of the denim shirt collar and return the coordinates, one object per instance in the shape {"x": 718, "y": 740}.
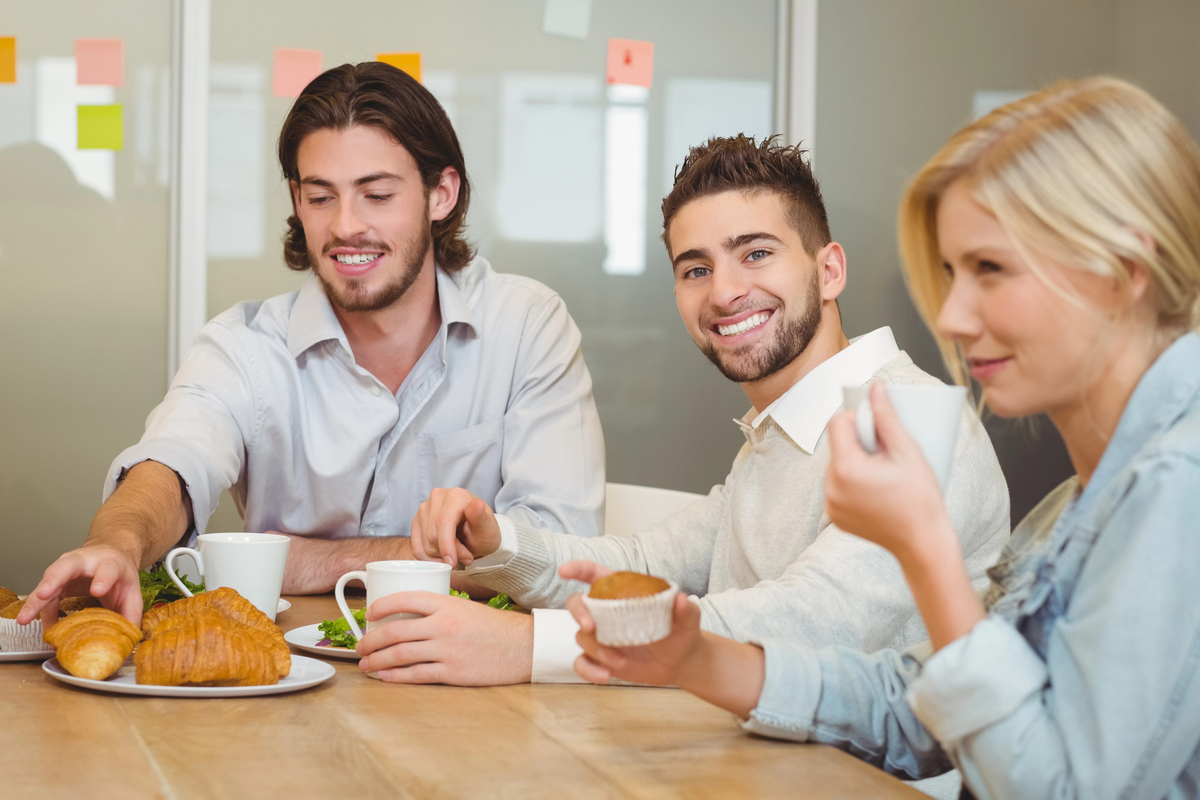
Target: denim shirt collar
{"x": 1037, "y": 570}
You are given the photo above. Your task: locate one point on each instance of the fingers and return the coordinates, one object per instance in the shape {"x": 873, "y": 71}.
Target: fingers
{"x": 446, "y": 521}
{"x": 888, "y": 427}
{"x": 107, "y": 576}
{"x": 586, "y": 571}
{"x": 685, "y": 613}
{"x": 44, "y": 599}
{"x": 418, "y": 673}
{"x": 404, "y": 654}
{"x": 423, "y": 603}
{"x": 418, "y": 534}
{"x": 591, "y": 671}
{"x": 483, "y": 531}
{"x": 398, "y": 631}
{"x": 581, "y": 614}
{"x": 843, "y": 438}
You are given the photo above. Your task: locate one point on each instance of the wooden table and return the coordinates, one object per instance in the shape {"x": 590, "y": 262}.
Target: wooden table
{"x": 354, "y": 737}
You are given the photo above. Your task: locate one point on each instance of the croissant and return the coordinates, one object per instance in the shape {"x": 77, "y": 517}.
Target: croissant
{"x": 275, "y": 646}
{"x": 204, "y": 648}
{"x": 228, "y": 603}
{"x": 93, "y": 643}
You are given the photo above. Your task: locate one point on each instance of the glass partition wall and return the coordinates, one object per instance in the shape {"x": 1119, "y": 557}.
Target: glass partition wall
{"x": 83, "y": 270}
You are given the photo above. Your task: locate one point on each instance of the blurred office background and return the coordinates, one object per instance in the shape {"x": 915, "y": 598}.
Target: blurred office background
{"x": 568, "y": 176}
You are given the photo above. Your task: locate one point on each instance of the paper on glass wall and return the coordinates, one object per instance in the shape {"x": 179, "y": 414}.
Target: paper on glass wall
{"x": 567, "y": 18}
{"x": 8, "y": 59}
{"x": 100, "y": 127}
{"x": 294, "y": 69}
{"x": 100, "y": 62}
{"x": 630, "y": 62}
{"x": 406, "y": 62}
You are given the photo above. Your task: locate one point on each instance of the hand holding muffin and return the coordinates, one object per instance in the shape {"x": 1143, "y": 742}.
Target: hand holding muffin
{"x": 726, "y": 673}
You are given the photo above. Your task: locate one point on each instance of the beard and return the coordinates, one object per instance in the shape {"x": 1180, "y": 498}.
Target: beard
{"x": 354, "y": 296}
{"x": 792, "y": 338}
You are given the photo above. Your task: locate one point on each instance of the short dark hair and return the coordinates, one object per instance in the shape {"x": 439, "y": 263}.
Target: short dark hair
{"x": 737, "y": 163}
{"x": 378, "y": 95}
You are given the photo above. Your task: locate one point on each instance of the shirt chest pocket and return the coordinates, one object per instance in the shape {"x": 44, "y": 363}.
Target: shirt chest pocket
{"x": 470, "y": 459}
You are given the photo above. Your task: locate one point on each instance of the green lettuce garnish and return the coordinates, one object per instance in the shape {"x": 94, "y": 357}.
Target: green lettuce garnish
{"x": 501, "y": 602}
{"x": 337, "y": 631}
{"x": 157, "y": 587}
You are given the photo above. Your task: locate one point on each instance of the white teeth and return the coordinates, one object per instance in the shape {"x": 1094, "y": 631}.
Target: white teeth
{"x": 752, "y": 321}
{"x": 357, "y": 259}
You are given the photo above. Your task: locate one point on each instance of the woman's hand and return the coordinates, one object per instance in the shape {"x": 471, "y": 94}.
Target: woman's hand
{"x": 890, "y": 497}
{"x": 726, "y": 673}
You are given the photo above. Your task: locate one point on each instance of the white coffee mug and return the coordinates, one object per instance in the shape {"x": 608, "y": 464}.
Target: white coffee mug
{"x": 250, "y": 563}
{"x": 388, "y": 577}
{"x": 931, "y": 415}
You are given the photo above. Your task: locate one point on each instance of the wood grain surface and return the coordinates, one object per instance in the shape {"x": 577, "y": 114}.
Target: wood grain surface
{"x": 354, "y": 737}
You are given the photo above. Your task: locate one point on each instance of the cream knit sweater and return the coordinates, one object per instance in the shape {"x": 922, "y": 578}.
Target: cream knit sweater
{"x": 763, "y": 557}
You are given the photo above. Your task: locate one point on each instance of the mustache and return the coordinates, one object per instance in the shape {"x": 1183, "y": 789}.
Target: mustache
{"x": 357, "y": 244}
{"x": 709, "y": 318}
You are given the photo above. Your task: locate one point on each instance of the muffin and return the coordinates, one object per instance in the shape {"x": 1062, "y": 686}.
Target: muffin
{"x": 16, "y": 638}
{"x": 631, "y": 608}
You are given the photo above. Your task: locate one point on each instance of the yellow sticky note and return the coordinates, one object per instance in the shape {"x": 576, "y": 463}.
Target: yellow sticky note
{"x": 101, "y": 127}
{"x": 8, "y": 59}
{"x": 408, "y": 62}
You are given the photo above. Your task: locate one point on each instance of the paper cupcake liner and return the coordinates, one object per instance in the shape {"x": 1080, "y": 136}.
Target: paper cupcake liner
{"x": 16, "y": 638}
{"x": 634, "y": 620}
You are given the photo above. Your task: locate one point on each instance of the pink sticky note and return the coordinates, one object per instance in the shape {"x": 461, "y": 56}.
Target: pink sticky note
{"x": 294, "y": 69}
{"x": 100, "y": 62}
{"x": 630, "y": 62}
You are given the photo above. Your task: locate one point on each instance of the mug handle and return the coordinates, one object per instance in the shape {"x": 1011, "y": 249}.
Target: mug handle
{"x": 339, "y": 594}
{"x": 178, "y": 551}
{"x": 864, "y": 423}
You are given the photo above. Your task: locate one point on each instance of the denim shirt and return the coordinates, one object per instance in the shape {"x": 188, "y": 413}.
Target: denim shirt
{"x": 1083, "y": 679}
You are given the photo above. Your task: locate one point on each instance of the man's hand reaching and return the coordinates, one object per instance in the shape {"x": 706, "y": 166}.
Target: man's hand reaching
{"x": 454, "y": 526}
{"x": 96, "y": 570}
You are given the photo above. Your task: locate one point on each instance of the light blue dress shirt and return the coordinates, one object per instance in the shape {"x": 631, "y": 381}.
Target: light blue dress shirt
{"x": 270, "y": 404}
{"x": 1083, "y": 680}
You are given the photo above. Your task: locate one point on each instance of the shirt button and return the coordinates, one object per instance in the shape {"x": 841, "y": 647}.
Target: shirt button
{"x": 375, "y": 391}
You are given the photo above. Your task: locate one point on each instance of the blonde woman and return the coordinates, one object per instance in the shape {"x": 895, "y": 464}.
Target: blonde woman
{"x": 1054, "y": 246}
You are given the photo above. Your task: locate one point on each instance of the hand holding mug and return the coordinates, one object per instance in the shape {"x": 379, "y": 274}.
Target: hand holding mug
{"x": 892, "y": 496}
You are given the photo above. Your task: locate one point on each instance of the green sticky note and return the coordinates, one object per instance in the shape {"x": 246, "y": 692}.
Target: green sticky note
{"x": 101, "y": 127}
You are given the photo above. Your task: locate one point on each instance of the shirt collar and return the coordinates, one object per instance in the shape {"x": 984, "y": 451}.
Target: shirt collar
{"x": 1166, "y": 392}
{"x": 804, "y": 410}
{"x": 313, "y": 320}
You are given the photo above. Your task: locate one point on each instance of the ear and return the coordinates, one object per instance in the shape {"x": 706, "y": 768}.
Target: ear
{"x": 1139, "y": 273}
{"x": 444, "y": 197}
{"x": 294, "y": 188}
{"x": 831, "y": 261}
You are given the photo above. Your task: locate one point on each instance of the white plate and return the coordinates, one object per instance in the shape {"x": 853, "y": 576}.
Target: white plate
{"x": 27, "y": 655}
{"x": 305, "y": 672}
{"x": 282, "y": 605}
{"x": 306, "y": 638}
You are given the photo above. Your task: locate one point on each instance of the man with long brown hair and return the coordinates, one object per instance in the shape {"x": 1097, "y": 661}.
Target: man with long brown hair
{"x": 404, "y": 363}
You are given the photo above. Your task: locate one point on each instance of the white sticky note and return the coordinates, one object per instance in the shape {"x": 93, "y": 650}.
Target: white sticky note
{"x": 567, "y": 18}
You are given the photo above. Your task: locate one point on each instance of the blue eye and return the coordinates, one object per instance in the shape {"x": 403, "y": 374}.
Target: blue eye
{"x": 757, "y": 255}
{"x": 697, "y": 272}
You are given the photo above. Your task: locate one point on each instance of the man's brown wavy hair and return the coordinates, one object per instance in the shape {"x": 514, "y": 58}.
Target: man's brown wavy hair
{"x": 380, "y": 96}
{"x": 738, "y": 163}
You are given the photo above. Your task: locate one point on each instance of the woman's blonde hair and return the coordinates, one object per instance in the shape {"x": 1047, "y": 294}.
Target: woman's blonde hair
{"x": 1093, "y": 174}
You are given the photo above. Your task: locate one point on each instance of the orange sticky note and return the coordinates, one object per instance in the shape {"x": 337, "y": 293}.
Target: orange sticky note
{"x": 408, "y": 62}
{"x": 8, "y": 59}
{"x": 630, "y": 62}
{"x": 100, "y": 62}
{"x": 294, "y": 69}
